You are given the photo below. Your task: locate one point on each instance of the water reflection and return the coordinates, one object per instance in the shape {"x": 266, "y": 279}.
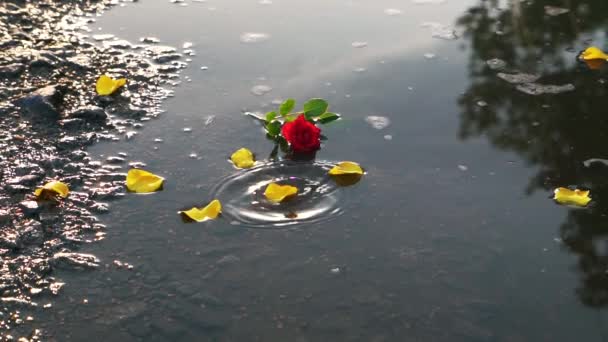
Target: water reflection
{"x": 556, "y": 133}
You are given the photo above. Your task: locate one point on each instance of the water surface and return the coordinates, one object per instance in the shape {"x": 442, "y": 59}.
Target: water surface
{"x": 451, "y": 235}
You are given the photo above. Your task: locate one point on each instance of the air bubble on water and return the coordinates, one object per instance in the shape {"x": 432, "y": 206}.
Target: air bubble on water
{"x": 463, "y": 167}
{"x": 429, "y": 55}
{"x": 158, "y": 141}
{"x": 193, "y": 155}
{"x": 378, "y": 122}
{"x": 209, "y": 120}
{"x": 441, "y": 31}
{"x": 261, "y": 89}
{"x": 482, "y": 103}
{"x": 254, "y": 37}
{"x": 555, "y": 11}
{"x": 392, "y": 11}
{"x": 129, "y": 135}
{"x": 359, "y": 44}
{"x": 360, "y": 70}
{"x": 265, "y": 2}
{"x": 187, "y": 129}
{"x": 204, "y": 68}
{"x": 496, "y": 64}
{"x": 187, "y": 45}
{"x": 388, "y": 137}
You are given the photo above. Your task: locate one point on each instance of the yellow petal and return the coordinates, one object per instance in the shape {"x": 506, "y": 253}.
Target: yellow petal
{"x": 143, "y": 181}
{"x": 346, "y": 168}
{"x": 210, "y": 212}
{"x": 593, "y": 53}
{"x": 106, "y": 85}
{"x": 278, "y": 193}
{"x": 572, "y": 197}
{"x": 55, "y": 187}
{"x": 242, "y": 158}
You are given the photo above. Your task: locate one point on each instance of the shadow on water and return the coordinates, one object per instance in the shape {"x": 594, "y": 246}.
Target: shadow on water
{"x": 557, "y": 133}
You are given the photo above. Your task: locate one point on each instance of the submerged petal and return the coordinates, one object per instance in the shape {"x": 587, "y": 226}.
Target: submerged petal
{"x": 210, "y": 212}
{"x": 278, "y": 193}
{"x": 595, "y": 64}
{"x": 346, "y": 168}
{"x": 55, "y": 187}
{"x": 572, "y": 197}
{"x": 143, "y": 181}
{"x": 593, "y": 53}
{"x": 106, "y": 85}
{"x": 243, "y": 158}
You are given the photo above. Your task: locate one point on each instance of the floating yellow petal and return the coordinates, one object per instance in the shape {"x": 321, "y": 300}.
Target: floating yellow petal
{"x": 346, "y": 168}
{"x": 210, "y": 212}
{"x": 572, "y": 197}
{"x": 278, "y": 193}
{"x": 593, "y": 53}
{"x": 54, "y": 187}
{"x": 106, "y": 85}
{"x": 242, "y": 158}
{"x": 143, "y": 181}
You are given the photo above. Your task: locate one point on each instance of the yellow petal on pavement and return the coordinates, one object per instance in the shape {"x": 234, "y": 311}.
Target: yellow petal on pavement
{"x": 572, "y": 197}
{"x": 243, "y": 158}
{"x": 55, "y": 187}
{"x": 278, "y": 193}
{"x": 107, "y": 85}
{"x": 141, "y": 181}
{"x": 210, "y": 212}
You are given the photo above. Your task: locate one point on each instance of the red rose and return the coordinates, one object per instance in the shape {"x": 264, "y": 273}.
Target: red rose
{"x": 302, "y": 135}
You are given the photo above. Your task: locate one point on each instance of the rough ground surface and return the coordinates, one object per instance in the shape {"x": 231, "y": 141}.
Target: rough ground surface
{"x": 49, "y": 114}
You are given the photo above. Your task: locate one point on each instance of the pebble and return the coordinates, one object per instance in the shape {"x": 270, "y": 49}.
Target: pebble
{"x": 42, "y": 103}
{"x": 90, "y": 114}
{"x": 75, "y": 260}
{"x": 30, "y": 208}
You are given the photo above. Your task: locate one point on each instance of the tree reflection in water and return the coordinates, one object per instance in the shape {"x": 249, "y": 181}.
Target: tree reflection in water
{"x": 556, "y": 133}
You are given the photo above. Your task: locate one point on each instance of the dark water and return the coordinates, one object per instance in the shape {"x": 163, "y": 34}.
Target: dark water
{"x": 451, "y": 236}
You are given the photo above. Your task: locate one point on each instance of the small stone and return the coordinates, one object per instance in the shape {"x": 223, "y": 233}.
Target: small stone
{"x": 30, "y": 208}
{"x": 42, "y": 103}
{"x": 115, "y": 160}
{"x": 90, "y": 114}
{"x": 75, "y": 260}
{"x": 11, "y": 70}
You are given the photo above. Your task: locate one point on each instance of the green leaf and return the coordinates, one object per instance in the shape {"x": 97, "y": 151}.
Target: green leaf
{"x": 273, "y": 128}
{"x": 315, "y": 107}
{"x": 287, "y": 106}
{"x": 290, "y": 118}
{"x": 270, "y": 116}
{"x": 328, "y": 117}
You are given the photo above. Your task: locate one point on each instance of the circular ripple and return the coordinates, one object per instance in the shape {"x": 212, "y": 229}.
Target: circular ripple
{"x": 318, "y": 198}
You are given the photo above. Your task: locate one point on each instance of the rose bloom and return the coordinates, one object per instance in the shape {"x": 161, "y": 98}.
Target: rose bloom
{"x": 302, "y": 135}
